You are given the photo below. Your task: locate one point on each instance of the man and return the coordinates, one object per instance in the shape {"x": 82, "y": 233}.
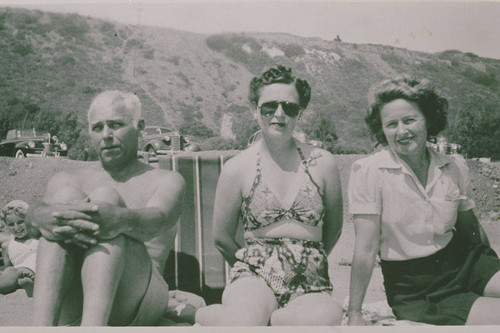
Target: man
{"x": 105, "y": 229}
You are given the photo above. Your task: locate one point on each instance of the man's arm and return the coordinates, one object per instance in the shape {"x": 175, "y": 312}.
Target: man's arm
{"x": 161, "y": 212}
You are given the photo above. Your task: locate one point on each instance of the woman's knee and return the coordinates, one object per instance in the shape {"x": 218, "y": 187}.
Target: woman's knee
{"x": 68, "y": 194}
{"x": 309, "y": 310}
{"x": 248, "y": 302}
{"x": 492, "y": 288}
{"x": 210, "y": 315}
{"x": 8, "y": 280}
{"x": 107, "y": 194}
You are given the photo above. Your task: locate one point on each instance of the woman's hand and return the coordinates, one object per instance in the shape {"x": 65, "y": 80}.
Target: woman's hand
{"x": 355, "y": 318}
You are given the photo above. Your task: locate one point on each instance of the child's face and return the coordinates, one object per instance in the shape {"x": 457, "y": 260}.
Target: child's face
{"x": 15, "y": 224}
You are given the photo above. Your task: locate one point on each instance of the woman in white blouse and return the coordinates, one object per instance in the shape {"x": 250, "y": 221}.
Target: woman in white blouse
{"x": 413, "y": 207}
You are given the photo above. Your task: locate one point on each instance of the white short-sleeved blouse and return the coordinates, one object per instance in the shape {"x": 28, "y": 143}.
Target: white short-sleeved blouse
{"x": 415, "y": 221}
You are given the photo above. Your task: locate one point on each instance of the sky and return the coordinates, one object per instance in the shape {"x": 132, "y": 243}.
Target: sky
{"x": 428, "y": 26}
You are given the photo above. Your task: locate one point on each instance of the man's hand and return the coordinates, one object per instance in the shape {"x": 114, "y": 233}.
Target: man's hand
{"x": 70, "y": 223}
{"x": 108, "y": 218}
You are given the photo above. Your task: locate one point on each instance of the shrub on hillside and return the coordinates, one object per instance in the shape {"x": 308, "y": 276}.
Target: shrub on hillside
{"x": 487, "y": 79}
{"x": 392, "y": 58}
{"x": 218, "y": 143}
{"x": 133, "y": 44}
{"x": 83, "y": 149}
{"x": 477, "y": 132}
{"x": 232, "y": 47}
{"x": 196, "y": 128}
{"x": 321, "y": 126}
{"x": 292, "y": 50}
{"x": 149, "y": 54}
{"x": 217, "y": 43}
{"x": 23, "y": 49}
{"x": 69, "y": 25}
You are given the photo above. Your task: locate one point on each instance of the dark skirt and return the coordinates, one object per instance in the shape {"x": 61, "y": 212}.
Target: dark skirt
{"x": 441, "y": 288}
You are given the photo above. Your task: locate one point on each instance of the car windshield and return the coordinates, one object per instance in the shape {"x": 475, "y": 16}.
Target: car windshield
{"x": 164, "y": 130}
{"x": 25, "y": 133}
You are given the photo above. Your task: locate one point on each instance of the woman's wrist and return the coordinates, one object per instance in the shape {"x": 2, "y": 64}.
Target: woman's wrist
{"x": 353, "y": 312}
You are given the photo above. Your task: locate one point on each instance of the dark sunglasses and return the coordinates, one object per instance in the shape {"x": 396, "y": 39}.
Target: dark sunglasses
{"x": 268, "y": 109}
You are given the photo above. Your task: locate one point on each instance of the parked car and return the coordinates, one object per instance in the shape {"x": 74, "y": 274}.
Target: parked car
{"x": 21, "y": 142}
{"x": 162, "y": 140}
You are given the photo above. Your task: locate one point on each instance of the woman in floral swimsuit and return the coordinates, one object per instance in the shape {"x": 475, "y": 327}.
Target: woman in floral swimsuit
{"x": 288, "y": 195}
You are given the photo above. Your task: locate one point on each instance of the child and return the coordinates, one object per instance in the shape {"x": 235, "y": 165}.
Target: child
{"x": 18, "y": 251}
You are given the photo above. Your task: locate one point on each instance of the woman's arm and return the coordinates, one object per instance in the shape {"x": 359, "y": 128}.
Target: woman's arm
{"x": 228, "y": 199}
{"x": 333, "y": 220}
{"x": 469, "y": 230}
{"x": 5, "y": 254}
{"x": 367, "y": 229}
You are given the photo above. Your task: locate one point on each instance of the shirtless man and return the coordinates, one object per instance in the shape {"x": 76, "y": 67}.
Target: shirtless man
{"x": 105, "y": 229}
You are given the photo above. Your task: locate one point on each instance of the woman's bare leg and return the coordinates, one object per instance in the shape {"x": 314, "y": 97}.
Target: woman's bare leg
{"x": 485, "y": 309}
{"x": 246, "y": 302}
{"x": 315, "y": 309}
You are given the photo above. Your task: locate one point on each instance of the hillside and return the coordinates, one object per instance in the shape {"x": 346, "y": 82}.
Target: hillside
{"x": 52, "y": 65}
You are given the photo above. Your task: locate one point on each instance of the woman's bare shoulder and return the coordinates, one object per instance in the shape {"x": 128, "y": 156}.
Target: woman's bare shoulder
{"x": 318, "y": 156}
{"x": 242, "y": 162}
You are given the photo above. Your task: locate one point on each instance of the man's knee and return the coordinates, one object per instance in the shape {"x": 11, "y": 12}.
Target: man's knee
{"x": 107, "y": 194}
{"x": 68, "y": 194}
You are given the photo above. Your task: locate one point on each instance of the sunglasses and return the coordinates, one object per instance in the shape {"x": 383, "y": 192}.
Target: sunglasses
{"x": 268, "y": 109}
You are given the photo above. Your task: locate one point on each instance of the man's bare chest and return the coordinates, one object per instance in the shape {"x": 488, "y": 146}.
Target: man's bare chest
{"x": 135, "y": 192}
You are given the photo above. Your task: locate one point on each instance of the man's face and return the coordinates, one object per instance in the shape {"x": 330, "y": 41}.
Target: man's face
{"x": 113, "y": 134}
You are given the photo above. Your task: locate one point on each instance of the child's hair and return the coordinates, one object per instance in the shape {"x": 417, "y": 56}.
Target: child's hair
{"x": 19, "y": 207}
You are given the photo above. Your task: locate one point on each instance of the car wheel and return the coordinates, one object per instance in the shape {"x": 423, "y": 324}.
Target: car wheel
{"x": 19, "y": 154}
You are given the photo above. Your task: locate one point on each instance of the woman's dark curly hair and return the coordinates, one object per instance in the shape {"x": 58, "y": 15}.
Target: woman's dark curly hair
{"x": 422, "y": 93}
{"x": 279, "y": 74}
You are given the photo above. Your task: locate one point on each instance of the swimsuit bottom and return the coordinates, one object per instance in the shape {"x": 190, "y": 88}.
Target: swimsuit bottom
{"x": 290, "y": 267}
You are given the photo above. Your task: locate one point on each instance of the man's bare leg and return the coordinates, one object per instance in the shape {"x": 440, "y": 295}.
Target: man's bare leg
{"x": 111, "y": 283}
{"x": 56, "y": 268}
{"x": 133, "y": 284}
{"x": 101, "y": 273}
{"x": 114, "y": 271}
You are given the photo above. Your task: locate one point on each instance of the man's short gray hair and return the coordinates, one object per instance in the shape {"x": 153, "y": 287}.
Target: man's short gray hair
{"x": 116, "y": 99}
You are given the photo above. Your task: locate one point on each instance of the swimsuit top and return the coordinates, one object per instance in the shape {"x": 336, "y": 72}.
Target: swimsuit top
{"x": 23, "y": 254}
{"x": 261, "y": 208}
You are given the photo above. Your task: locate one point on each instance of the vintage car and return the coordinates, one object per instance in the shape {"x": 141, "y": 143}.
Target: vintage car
{"x": 157, "y": 140}
{"x": 21, "y": 142}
